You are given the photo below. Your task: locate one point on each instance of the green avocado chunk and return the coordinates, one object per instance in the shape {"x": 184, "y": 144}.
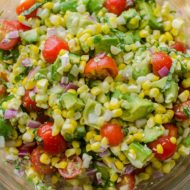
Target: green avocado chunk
{"x": 138, "y": 154}
{"x": 171, "y": 93}
{"x": 135, "y": 107}
{"x": 151, "y": 134}
{"x": 30, "y": 36}
{"x": 140, "y": 70}
{"x": 160, "y": 83}
{"x": 5, "y": 128}
{"x": 76, "y": 21}
{"x": 70, "y": 100}
{"x": 95, "y": 5}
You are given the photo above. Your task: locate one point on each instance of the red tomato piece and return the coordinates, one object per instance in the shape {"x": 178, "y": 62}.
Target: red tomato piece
{"x": 5, "y": 28}
{"x": 38, "y": 166}
{"x": 173, "y": 130}
{"x": 73, "y": 169}
{"x": 179, "y": 46}
{"x": 29, "y": 103}
{"x": 101, "y": 66}
{"x": 51, "y": 144}
{"x": 24, "y": 6}
{"x": 179, "y": 110}
{"x": 113, "y": 133}
{"x": 161, "y": 63}
{"x": 52, "y": 47}
{"x": 127, "y": 182}
{"x": 168, "y": 147}
{"x": 116, "y": 6}
{"x": 20, "y": 26}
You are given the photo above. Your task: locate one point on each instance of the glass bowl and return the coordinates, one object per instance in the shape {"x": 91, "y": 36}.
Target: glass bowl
{"x": 178, "y": 179}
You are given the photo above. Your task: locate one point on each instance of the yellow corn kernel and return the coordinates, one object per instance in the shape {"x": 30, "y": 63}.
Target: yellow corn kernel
{"x": 122, "y": 66}
{"x": 73, "y": 91}
{"x": 18, "y": 142}
{"x": 144, "y": 176}
{"x": 45, "y": 159}
{"x": 61, "y": 165}
{"x": 117, "y": 113}
{"x": 98, "y": 138}
{"x": 173, "y": 140}
{"x": 159, "y": 149}
{"x": 113, "y": 177}
{"x": 75, "y": 144}
{"x": 70, "y": 152}
{"x": 119, "y": 165}
{"x": 64, "y": 113}
{"x": 176, "y": 156}
{"x": 104, "y": 141}
{"x": 141, "y": 95}
{"x": 30, "y": 84}
{"x": 95, "y": 146}
{"x": 105, "y": 29}
{"x": 88, "y": 147}
{"x": 143, "y": 33}
{"x": 13, "y": 150}
{"x": 169, "y": 37}
{"x": 170, "y": 114}
{"x": 122, "y": 157}
{"x": 78, "y": 151}
{"x": 54, "y": 179}
{"x": 183, "y": 97}
{"x": 132, "y": 153}
{"x": 149, "y": 170}
{"x": 175, "y": 31}
{"x": 158, "y": 119}
{"x": 90, "y": 135}
{"x": 157, "y": 164}
{"x": 160, "y": 109}
{"x": 168, "y": 166}
{"x": 57, "y": 111}
{"x": 130, "y": 139}
{"x": 54, "y": 161}
{"x": 138, "y": 136}
{"x": 163, "y": 38}
{"x": 154, "y": 93}
{"x": 48, "y": 5}
{"x": 96, "y": 91}
{"x": 146, "y": 85}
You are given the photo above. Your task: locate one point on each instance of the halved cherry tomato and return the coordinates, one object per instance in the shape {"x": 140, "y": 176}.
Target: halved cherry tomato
{"x": 51, "y": 144}
{"x": 116, "y": 6}
{"x": 52, "y": 47}
{"x": 168, "y": 147}
{"x": 179, "y": 46}
{"x": 127, "y": 182}
{"x": 173, "y": 130}
{"x": 161, "y": 61}
{"x": 25, "y": 5}
{"x": 38, "y": 166}
{"x": 113, "y": 133}
{"x": 5, "y": 28}
{"x": 101, "y": 66}
{"x": 29, "y": 103}
{"x": 20, "y": 26}
{"x": 73, "y": 169}
{"x": 179, "y": 110}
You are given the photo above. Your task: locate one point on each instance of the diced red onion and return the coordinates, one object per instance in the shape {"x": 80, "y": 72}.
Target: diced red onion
{"x": 5, "y": 41}
{"x": 163, "y": 71}
{"x": 91, "y": 172}
{"x": 69, "y": 86}
{"x": 103, "y": 154}
{"x": 9, "y": 114}
{"x": 23, "y": 152}
{"x": 33, "y": 124}
{"x": 99, "y": 178}
{"x": 100, "y": 164}
{"x": 51, "y": 32}
{"x": 64, "y": 80}
{"x": 157, "y": 174}
{"x": 129, "y": 169}
{"x": 27, "y": 62}
{"x": 13, "y": 34}
{"x": 28, "y": 145}
{"x": 33, "y": 72}
{"x": 101, "y": 55}
{"x": 35, "y": 90}
{"x": 129, "y": 3}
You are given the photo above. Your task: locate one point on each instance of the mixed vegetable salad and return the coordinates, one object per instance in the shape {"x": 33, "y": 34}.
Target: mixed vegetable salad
{"x": 94, "y": 94}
